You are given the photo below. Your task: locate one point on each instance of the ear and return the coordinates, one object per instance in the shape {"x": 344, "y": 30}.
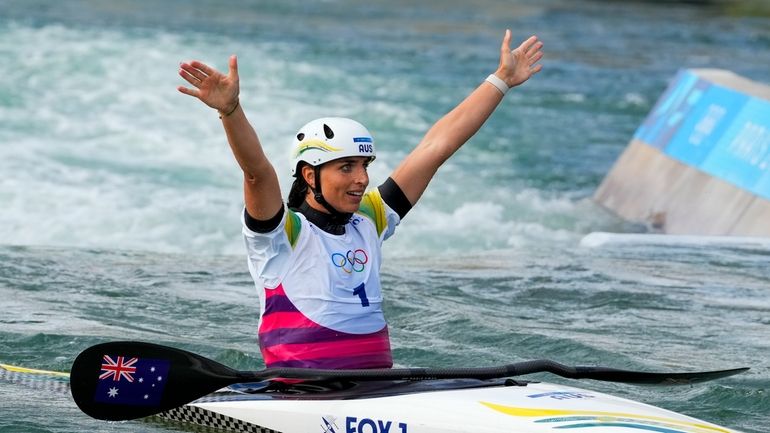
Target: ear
{"x": 308, "y": 174}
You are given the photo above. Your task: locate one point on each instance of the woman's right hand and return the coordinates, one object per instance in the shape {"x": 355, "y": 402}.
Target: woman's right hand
{"x": 213, "y": 88}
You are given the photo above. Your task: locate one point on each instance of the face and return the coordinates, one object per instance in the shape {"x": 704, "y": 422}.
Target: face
{"x": 343, "y": 183}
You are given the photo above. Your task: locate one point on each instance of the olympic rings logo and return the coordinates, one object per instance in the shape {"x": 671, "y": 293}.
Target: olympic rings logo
{"x": 352, "y": 261}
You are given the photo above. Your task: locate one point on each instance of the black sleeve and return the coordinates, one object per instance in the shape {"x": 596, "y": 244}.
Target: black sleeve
{"x": 393, "y": 196}
{"x": 260, "y": 226}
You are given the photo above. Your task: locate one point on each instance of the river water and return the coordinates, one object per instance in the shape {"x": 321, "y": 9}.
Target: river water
{"x": 120, "y": 200}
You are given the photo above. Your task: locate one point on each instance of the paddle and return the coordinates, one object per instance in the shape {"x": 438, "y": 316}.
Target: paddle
{"x": 126, "y": 379}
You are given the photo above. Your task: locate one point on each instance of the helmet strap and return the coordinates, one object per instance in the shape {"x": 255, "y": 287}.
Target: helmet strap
{"x": 337, "y": 217}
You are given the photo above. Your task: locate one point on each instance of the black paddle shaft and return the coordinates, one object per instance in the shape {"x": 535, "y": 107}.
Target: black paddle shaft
{"x": 128, "y": 379}
{"x": 511, "y": 370}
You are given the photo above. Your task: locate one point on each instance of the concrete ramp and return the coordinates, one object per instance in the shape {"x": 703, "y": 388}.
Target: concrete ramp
{"x": 700, "y": 162}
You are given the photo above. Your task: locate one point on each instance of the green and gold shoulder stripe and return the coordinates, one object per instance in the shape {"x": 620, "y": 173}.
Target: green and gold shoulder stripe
{"x": 373, "y": 208}
{"x": 292, "y": 227}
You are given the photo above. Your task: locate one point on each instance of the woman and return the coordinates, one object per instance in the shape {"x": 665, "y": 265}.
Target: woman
{"x": 316, "y": 261}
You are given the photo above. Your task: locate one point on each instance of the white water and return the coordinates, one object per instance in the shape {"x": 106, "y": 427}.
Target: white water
{"x": 98, "y": 149}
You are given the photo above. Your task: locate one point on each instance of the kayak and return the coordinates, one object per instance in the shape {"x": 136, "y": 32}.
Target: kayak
{"x": 448, "y": 406}
{"x": 126, "y": 380}
{"x": 406, "y": 406}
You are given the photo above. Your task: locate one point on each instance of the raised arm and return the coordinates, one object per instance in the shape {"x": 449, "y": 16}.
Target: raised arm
{"x": 456, "y": 127}
{"x": 262, "y": 192}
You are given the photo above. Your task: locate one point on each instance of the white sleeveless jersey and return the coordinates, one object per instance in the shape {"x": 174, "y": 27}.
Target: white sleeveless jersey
{"x": 320, "y": 294}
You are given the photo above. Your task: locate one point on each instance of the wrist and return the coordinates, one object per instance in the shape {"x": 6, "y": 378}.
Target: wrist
{"x": 496, "y": 81}
{"x": 228, "y": 111}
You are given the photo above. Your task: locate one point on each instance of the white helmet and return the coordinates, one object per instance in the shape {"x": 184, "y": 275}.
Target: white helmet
{"x": 329, "y": 138}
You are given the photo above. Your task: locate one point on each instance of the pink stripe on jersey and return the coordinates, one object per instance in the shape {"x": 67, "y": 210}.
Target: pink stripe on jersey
{"x": 278, "y": 291}
{"x": 340, "y": 363}
{"x": 282, "y": 320}
{"x": 288, "y": 337}
{"x": 327, "y": 350}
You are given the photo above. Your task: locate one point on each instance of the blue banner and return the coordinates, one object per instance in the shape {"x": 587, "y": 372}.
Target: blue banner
{"x": 670, "y": 110}
{"x": 705, "y": 124}
{"x": 720, "y": 131}
{"x": 742, "y": 155}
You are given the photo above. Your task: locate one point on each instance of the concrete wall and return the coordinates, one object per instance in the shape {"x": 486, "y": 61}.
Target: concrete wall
{"x": 699, "y": 164}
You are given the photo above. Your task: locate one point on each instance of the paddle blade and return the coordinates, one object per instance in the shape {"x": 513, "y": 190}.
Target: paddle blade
{"x": 651, "y": 378}
{"x": 615, "y": 375}
{"x": 127, "y": 380}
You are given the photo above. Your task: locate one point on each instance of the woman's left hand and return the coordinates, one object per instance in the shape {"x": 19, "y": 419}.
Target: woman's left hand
{"x": 517, "y": 65}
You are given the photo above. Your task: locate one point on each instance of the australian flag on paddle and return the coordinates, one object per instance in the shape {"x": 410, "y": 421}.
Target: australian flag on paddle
{"x": 132, "y": 381}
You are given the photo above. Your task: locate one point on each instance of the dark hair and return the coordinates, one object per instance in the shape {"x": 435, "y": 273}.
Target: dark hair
{"x": 298, "y": 189}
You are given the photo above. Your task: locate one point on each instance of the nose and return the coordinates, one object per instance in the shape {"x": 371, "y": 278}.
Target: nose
{"x": 362, "y": 176}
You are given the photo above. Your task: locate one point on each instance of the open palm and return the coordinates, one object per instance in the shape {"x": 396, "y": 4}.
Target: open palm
{"x": 517, "y": 65}
{"x": 213, "y": 88}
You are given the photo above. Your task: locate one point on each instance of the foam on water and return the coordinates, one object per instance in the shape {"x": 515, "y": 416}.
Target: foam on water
{"x": 95, "y": 151}
{"x": 115, "y": 157}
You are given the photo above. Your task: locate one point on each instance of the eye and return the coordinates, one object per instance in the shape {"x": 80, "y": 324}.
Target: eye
{"x": 300, "y": 136}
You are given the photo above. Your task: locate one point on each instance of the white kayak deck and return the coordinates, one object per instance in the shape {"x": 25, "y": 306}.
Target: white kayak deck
{"x": 523, "y": 407}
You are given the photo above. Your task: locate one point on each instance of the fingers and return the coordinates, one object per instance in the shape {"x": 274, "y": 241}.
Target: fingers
{"x": 530, "y": 50}
{"x": 535, "y": 58}
{"x": 189, "y": 78}
{"x": 209, "y": 85}
{"x": 534, "y": 51}
{"x": 506, "y": 45}
{"x": 186, "y": 91}
{"x": 192, "y": 73}
{"x": 233, "y": 65}
{"x": 519, "y": 64}
{"x": 196, "y": 72}
{"x": 202, "y": 67}
{"x": 528, "y": 43}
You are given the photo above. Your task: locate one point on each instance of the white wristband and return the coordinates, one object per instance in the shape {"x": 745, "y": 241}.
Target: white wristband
{"x": 500, "y": 84}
